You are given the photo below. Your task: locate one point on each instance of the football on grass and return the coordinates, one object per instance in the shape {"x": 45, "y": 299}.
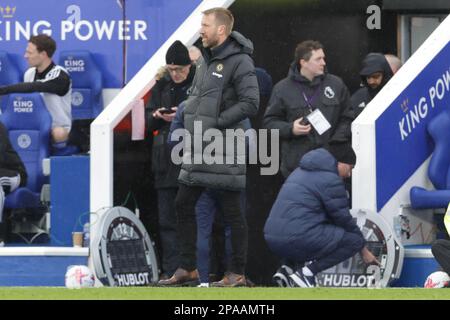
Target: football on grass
{"x": 78, "y": 277}
{"x": 438, "y": 279}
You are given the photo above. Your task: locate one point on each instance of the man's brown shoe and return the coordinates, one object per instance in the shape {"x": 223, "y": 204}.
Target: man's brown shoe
{"x": 231, "y": 280}
{"x": 181, "y": 277}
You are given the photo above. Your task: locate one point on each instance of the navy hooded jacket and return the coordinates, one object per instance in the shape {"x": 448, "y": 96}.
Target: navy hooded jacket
{"x": 311, "y": 212}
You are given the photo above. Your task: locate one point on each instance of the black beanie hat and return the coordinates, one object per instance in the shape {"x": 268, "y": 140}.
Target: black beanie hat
{"x": 343, "y": 152}
{"x": 178, "y": 54}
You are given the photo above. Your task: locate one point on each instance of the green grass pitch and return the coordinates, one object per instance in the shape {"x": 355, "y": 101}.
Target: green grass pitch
{"x": 258, "y": 293}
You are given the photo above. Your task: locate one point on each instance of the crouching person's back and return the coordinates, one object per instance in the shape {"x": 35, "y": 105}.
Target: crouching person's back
{"x": 310, "y": 220}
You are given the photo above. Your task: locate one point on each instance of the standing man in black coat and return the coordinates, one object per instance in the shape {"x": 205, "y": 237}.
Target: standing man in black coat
{"x": 12, "y": 174}
{"x": 310, "y": 107}
{"x": 224, "y": 93}
{"x": 169, "y": 91}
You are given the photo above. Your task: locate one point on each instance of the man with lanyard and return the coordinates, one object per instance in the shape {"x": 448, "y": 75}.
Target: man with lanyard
{"x": 310, "y": 107}
{"x": 52, "y": 81}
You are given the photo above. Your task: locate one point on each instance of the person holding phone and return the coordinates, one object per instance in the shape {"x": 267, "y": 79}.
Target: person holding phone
{"x": 310, "y": 107}
{"x": 224, "y": 94}
{"x": 169, "y": 91}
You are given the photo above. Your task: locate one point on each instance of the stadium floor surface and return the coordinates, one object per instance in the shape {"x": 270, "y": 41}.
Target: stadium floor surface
{"x": 258, "y": 293}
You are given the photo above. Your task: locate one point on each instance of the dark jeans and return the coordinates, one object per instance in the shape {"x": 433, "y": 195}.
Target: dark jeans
{"x": 350, "y": 244}
{"x": 168, "y": 230}
{"x": 206, "y": 211}
{"x": 213, "y": 236}
{"x": 229, "y": 203}
{"x": 441, "y": 251}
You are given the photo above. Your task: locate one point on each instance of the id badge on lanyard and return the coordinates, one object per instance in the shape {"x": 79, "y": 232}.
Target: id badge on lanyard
{"x": 318, "y": 121}
{"x": 316, "y": 117}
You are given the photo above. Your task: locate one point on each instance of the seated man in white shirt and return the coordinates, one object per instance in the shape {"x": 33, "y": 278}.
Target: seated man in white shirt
{"x": 52, "y": 81}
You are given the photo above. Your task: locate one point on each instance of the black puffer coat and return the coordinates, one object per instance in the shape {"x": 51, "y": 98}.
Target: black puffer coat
{"x": 224, "y": 93}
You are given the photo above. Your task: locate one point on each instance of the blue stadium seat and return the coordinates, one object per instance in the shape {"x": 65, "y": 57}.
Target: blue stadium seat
{"x": 87, "y": 84}
{"x": 9, "y": 74}
{"x": 438, "y": 169}
{"x": 29, "y": 125}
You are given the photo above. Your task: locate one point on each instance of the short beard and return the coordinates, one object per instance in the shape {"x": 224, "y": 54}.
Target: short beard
{"x": 211, "y": 44}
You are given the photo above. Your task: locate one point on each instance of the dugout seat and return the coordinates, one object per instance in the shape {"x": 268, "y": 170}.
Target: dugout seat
{"x": 438, "y": 169}
{"x": 29, "y": 125}
{"x": 9, "y": 74}
{"x": 87, "y": 101}
{"x": 87, "y": 83}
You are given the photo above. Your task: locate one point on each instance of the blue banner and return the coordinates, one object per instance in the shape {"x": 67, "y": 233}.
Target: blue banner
{"x": 402, "y": 142}
{"x": 75, "y": 25}
{"x": 162, "y": 18}
{"x": 109, "y": 29}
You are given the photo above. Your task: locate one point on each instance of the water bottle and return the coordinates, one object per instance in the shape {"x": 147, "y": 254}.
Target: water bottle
{"x": 86, "y": 234}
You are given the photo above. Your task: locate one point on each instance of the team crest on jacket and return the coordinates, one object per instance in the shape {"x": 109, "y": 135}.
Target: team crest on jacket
{"x": 219, "y": 67}
{"x": 328, "y": 92}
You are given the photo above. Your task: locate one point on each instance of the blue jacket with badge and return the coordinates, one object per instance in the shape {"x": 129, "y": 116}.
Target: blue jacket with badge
{"x": 311, "y": 212}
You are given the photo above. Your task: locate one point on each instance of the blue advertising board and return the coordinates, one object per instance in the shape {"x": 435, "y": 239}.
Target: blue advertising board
{"x": 114, "y": 31}
{"x": 162, "y": 18}
{"x": 402, "y": 143}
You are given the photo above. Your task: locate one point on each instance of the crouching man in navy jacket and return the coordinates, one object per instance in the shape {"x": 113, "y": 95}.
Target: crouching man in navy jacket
{"x": 310, "y": 219}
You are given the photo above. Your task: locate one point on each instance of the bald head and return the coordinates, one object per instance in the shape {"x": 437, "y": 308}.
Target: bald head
{"x": 394, "y": 62}
{"x": 194, "y": 53}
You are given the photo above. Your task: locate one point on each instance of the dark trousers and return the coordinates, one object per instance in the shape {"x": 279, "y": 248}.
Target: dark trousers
{"x": 441, "y": 251}
{"x": 213, "y": 236}
{"x": 168, "y": 230}
{"x": 350, "y": 244}
{"x": 207, "y": 212}
{"x": 229, "y": 203}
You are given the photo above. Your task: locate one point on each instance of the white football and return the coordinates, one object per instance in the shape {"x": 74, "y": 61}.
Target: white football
{"x": 438, "y": 279}
{"x": 78, "y": 277}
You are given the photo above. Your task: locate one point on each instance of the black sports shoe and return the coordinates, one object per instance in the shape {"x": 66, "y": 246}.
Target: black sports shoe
{"x": 281, "y": 277}
{"x": 302, "y": 281}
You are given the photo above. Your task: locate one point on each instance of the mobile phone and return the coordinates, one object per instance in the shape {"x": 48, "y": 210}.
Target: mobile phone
{"x": 166, "y": 111}
{"x": 304, "y": 121}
